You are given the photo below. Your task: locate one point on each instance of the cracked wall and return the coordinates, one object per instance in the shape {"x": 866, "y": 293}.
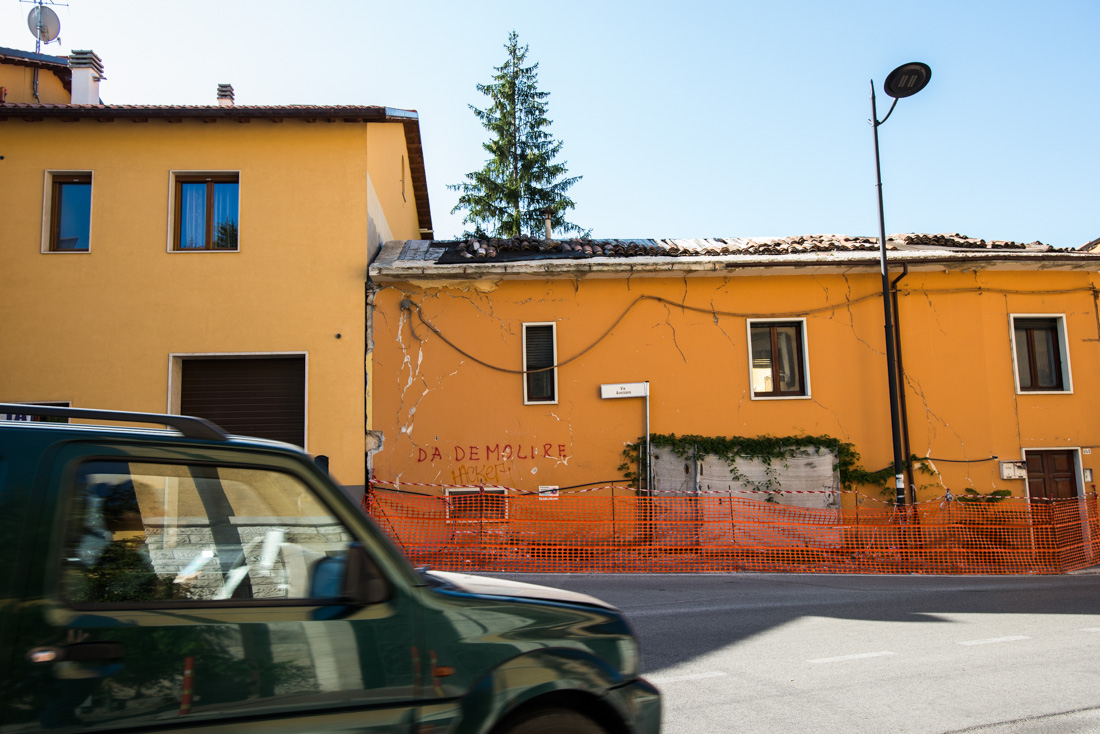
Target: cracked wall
{"x": 453, "y": 396}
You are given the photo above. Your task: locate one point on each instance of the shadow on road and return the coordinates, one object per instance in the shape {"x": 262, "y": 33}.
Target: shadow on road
{"x": 723, "y": 609}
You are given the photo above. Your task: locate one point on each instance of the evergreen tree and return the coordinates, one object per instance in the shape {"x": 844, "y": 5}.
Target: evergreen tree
{"x": 509, "y": 196}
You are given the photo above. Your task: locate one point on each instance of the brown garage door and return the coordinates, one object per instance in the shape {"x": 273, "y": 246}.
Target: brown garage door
{"x": 263, "y": 397}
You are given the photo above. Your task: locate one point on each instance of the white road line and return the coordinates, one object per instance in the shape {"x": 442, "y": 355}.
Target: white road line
{"x": 690, "y": 676}
{"x": 859, "y": 656}
{"x": 1090, "y": 629}
{"x": 994, "y": 640}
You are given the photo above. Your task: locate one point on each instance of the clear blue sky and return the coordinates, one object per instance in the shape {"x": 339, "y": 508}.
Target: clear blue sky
{"x": 685, "y": 119}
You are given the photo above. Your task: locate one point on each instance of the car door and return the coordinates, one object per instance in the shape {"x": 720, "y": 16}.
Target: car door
{"x": 181, "y": 587}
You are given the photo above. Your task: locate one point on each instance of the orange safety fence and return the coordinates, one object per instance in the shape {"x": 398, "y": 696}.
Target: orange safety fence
{"x": 487, "y": 530}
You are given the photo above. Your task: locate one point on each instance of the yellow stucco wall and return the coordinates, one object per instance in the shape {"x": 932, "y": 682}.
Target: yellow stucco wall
{"x": 19, "y": 81}
{"x": 97, "y": 329}
{"x": 448, "y": 414}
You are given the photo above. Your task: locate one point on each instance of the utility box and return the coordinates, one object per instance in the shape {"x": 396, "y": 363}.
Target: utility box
{"x": 1013, "y": 470}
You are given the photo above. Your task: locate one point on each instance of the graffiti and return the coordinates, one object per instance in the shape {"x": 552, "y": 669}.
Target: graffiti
{"x": 492, "y": 453}
{"x": 478, "y": 474}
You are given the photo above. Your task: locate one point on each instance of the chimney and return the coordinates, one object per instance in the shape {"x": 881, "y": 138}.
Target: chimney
{"x": 549, "y": 214}
{"x": 87, "y": 72}
{"x": 225, "y": 95}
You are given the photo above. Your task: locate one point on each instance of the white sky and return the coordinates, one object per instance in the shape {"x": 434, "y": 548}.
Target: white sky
{"x": 685, "y": 119}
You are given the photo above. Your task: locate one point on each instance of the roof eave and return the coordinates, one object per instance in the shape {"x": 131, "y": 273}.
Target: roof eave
{"x": 391, "y": 269}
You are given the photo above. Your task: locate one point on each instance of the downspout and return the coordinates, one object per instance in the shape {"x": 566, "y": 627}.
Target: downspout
{"x": 912, "y": 491}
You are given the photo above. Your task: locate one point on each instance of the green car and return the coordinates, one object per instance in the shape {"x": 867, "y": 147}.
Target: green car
{"x": 181, "y": 579}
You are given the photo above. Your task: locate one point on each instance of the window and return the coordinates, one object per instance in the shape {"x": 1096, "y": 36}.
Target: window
{"x": 540, "y": 381}
{"x": 476, "y": 504}
{"x": 778, "y": 365}
{"x": 37, "y": 418}
{"x": 1042, "y": 364}
{"x": 194, "y": 534}
{"x": 70, "y": 213}
{"x": 206, "y": 211}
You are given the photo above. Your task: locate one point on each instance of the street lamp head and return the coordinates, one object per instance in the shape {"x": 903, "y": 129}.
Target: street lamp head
{"x": 907, "y": 80}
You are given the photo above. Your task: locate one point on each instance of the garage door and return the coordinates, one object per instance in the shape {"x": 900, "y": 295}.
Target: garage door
{"x": 263, "y": 397}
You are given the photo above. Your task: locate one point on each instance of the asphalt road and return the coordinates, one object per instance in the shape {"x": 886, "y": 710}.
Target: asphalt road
{"x": 915, "y": 654}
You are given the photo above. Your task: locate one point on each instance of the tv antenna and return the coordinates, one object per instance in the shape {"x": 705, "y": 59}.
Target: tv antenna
{"x": 45, "y": 26}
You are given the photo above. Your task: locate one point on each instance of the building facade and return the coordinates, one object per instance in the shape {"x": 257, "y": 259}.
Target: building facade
{"x": 209, "y": 260}
{"x": 501, "y": 357}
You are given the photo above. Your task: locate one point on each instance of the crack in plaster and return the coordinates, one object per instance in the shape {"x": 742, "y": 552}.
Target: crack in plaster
{"x": 932, "y": 419}
{"x": 852, "y": 321}
{"x": 836, "y": 417}
{"x": 718, "y": 324}
{"x": 675, "y": 341}
{"x": 559, "y": 461}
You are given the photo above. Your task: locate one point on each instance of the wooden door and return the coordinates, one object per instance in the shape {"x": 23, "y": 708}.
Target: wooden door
{"x": 1061, "y": 530}
{"x": 1051, "y": 475}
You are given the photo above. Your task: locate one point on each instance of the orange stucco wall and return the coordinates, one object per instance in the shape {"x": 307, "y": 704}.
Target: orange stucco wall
{"x": 448, "y": 419}
{"x": 97, "y": 328}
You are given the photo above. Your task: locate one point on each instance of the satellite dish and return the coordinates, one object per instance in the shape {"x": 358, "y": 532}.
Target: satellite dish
{"x": 44, "y": 23}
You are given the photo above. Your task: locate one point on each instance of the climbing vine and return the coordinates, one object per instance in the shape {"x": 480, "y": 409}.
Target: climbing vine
{"x": 773, "y": 451}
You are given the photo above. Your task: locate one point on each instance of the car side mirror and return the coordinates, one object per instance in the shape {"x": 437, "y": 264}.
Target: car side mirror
{"x": 363, "y": 581}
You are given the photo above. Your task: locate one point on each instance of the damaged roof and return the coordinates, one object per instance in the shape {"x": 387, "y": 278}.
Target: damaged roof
{"x": 523, "y": 247}
{"x": 536, "y": 256}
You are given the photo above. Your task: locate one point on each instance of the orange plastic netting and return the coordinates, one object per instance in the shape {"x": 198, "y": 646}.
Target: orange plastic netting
{"x": 486, "y": 531}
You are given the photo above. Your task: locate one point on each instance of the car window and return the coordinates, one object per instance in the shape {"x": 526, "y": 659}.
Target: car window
{"x": 193, "y": 534}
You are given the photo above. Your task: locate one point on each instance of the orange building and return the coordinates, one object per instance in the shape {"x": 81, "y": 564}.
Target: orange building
{"x": 494, "y": 360}
{"x": 205, "y": 259}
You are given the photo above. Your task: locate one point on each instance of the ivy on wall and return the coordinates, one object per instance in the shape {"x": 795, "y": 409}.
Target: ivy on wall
{"x": 773, "y": 451}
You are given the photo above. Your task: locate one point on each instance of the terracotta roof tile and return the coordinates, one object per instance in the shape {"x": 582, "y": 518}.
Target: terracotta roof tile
{"x": 533, "y": 248}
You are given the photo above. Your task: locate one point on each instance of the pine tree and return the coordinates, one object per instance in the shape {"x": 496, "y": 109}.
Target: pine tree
{"x": 509, "y": 196}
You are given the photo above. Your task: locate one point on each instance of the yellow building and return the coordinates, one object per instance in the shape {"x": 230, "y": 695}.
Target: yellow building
{"x": 998, "y": 347}
{"x": 209, "y": 260}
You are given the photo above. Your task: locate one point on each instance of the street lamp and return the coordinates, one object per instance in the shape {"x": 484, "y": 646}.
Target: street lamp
{"x": 904, "y": 81}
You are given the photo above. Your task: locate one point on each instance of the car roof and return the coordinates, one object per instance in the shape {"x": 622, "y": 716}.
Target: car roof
{"x": 182, "y": 427}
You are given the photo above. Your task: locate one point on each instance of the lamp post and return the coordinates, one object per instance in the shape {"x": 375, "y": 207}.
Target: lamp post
{"x": 904, "y": 81}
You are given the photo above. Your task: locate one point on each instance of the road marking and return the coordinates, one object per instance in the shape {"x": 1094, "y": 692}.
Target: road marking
{"x": 993, "y": 640}
{"x": 1090, "y": 629}
{"x": 689, "y": 676}
{"x": 859, "y": 656}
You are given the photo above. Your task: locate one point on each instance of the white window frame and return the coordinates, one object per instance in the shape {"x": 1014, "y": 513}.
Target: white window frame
{"x": 1063, "y": 352}
{"x": 554, "y": 332}
{"x": 171, "y": 234}
{"x": 801, "y": 321}
{"x": 466, "y": 492}
{"x": 47, "y": 210}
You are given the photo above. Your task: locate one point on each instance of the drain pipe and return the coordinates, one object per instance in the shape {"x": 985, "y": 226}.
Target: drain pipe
{"x": 902, "y": 406}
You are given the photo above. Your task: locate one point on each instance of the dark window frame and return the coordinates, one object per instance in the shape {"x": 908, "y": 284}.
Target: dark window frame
{"x": 57, "y": 181}
{"x": 1030, "y": 325}
{"x": 532, "y": 394}
{"x": 799, "y": 359}
{"x": 211, "y": 180}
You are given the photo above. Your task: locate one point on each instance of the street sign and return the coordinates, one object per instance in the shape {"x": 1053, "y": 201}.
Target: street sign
{"x": 625, "y": 390}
